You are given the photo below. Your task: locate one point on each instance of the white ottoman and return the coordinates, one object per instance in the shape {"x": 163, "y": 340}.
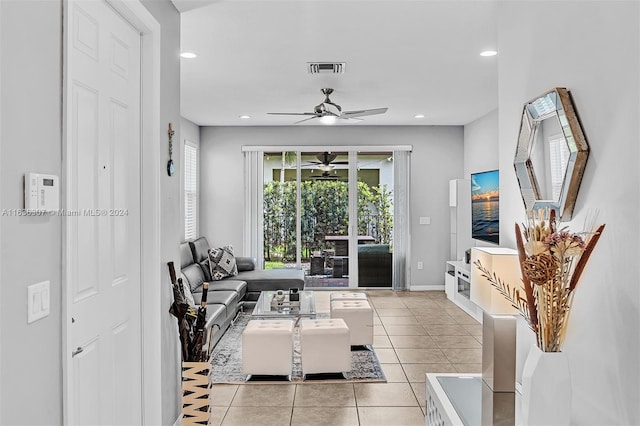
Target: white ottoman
{"x": 348, "y": 296}
{"x": 267, "y": 347}
{"x": 324, "y": 346}
{"x": 358, "y": 315}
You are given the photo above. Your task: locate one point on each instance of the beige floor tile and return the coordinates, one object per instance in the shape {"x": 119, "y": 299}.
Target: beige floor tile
{"x": 405, "y": 330}
{"x": 428, "y": 309}
{"x": 473, "y": 329}
{"x": 394, "y": 312}
{"x": 463, "y": 318}
{"x": 391, "y": 416}
{"x": 437, "y": 295}
{"x": 468, "y": 368}
{"x": 264, "y": 396}
{"x": 445, "y": 330}
{"x": 380, "y": 342}
{"x": 420, "y": 391}
{"x": 416, "y": 372}
{"x": 463, "y": 356}
{"x": 387, "y": 356}
{"x": 446, "y": 303}
{"x": 381, "y": 293}
{"x": 440, "y": 317}
{"x": 378, "y": 330}
{"x": 385, "y": 394}
{"x": 461, "y": 342}
{"x": 325, "y": 395}
{"x": 263, "y": 416}
{"x": 217, "y": 415}
{"x": 399, "y": 321}
{"x": 413, "y": 342}
{"x": 314, "y": 416}
{"x": 394, "y": 373}
{"x": 421, "y": 356}
{"x": 387, "y": 304}
{"x": 222, "y": 395}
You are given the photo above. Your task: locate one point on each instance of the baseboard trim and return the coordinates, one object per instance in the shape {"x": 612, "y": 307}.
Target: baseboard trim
{"x": 178, "y": 421}
{"x": 426, "y": 288}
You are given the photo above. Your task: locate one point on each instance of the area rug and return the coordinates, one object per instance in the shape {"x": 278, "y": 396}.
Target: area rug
{"x": 227, "y": 361}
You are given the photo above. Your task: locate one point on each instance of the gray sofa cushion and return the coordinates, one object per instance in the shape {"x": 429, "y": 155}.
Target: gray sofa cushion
{"x": 186, "y": 258}
{"x": 193, "y": 276}
{"x": 245, "y": 263}
{"x": 229, "y": 285}
{"x": 272, "y": 279}
{"x": 227, "y": 298}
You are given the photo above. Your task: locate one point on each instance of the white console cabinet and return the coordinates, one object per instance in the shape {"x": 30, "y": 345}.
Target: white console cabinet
{"x": 457, "y": 286}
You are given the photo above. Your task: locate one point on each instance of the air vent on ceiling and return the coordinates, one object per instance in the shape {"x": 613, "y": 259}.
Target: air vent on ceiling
{"x": 326, "y": 67}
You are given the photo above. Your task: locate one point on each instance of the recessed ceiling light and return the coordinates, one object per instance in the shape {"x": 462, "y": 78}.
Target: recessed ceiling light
{"x": 188, "y": 55}
{"x": 244, "y": 117}
{"x": 488, "y": 53}
{"x": 419, "y": 116}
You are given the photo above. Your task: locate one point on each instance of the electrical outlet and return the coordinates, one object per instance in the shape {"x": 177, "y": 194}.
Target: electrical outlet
{"x": 420, "y": 265}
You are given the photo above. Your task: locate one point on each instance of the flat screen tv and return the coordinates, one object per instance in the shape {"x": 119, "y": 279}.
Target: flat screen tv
{"x": 485, "y": 206}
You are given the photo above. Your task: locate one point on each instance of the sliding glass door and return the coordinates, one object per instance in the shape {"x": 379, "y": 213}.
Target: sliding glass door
{"x": 331, "y": 214}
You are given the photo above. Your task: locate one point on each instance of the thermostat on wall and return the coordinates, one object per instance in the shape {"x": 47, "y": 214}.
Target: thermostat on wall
{"x": 41, "y": 192}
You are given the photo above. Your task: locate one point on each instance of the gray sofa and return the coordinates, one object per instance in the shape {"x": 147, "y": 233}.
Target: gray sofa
{"x": 228, "y": 296}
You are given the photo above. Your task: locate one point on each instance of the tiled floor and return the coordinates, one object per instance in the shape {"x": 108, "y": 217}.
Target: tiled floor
{"x": 415, "y": 333}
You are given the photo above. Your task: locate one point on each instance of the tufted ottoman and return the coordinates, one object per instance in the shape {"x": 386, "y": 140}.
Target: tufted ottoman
{"x": 324, "y": 346}
{"x": 348, "y": 296}
{"x": 267, "y": 347}
{"x": 358, "y": 315}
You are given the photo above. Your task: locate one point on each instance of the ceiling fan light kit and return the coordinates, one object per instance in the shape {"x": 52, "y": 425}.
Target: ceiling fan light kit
{"x": 329, "y": 112}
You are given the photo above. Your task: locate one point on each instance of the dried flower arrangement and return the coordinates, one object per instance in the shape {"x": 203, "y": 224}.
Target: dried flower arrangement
{"x": 552, "y": 260}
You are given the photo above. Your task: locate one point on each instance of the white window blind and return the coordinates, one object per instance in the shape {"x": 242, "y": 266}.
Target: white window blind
{"x": 190, "y": 190}
{"x": 559, "y": 158}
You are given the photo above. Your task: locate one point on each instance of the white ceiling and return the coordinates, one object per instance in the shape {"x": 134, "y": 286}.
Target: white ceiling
{"x": 414, "y": 57}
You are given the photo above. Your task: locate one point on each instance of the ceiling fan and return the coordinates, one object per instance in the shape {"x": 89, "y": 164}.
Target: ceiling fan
{"x": 328, "y": 111}
{"x": 326, "y": 161}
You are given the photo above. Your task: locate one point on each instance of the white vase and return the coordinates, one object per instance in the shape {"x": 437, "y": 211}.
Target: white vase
{"x": 546, "y": 389}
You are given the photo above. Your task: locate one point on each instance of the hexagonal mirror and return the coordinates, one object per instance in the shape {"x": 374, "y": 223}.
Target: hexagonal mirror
{"x": 551, "y": 154}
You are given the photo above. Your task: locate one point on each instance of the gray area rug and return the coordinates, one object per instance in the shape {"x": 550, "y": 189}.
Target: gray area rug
{"x": 227, "y": 361}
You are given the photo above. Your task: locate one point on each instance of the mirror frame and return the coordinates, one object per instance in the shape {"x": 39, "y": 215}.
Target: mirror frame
{"x": 578, "y": 155}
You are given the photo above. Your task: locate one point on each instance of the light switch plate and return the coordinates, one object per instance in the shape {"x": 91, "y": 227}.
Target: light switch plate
{"x": 38, "y": 305}
{"x": 425, "y": 220}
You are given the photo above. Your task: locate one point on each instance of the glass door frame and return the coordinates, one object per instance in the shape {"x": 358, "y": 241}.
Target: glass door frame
{"x": 254, "y": 224}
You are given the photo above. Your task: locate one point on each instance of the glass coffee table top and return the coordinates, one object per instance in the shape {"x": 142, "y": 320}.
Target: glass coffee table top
{"x": 306, "y": 309}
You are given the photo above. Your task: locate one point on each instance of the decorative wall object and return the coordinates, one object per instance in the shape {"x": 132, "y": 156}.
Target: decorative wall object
{"x": 551, "y": 154}
{"x": 171, "y": 168}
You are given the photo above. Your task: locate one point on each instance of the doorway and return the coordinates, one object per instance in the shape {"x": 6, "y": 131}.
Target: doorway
{"x": 83, "y": 28}
{"x": 329, "y": 213}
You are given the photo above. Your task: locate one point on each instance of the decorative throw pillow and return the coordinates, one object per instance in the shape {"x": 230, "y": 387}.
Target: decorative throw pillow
{"x": 222, "y": 263}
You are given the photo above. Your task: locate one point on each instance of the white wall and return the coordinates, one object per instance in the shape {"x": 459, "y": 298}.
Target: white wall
{"x": 591, "y": 48}
{"x": 436, "y": 158}
{"x": 30, "y": 247}
{"x": 31, "y": 358}
{"x": 481, "y": 144}
{"x": 170, "y": 214}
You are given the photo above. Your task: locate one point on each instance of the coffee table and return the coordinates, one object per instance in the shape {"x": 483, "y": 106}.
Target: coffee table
{"x": 263, "y": 308}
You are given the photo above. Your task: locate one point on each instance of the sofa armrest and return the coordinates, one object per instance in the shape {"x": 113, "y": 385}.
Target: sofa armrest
{"x": 245, "y": 263}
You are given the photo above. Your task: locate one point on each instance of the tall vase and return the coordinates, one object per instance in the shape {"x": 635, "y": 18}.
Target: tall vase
{"x": 546, "y": 389}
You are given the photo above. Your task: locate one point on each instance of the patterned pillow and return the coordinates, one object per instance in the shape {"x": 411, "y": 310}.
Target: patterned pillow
{"x": 222, "y": 263}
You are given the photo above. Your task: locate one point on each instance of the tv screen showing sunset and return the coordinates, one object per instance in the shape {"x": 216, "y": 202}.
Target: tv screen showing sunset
{"x": 485, "y": 200}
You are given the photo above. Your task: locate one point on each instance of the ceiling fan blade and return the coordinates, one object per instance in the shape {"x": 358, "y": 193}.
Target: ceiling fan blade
{"x": 306, "y": 119}
{"x": 291, "y": 113}
{"x": 363, "y": 112}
